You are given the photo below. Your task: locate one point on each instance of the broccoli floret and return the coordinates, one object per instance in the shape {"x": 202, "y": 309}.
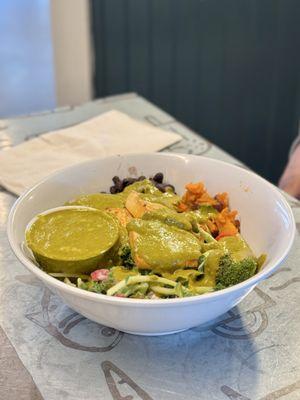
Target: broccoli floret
{"x": 97, "y": 287}
{"x": 126, "y": 257}
{"x": 233, "y": 272}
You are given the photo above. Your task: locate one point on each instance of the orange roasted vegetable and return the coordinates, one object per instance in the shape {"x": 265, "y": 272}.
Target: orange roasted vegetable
{"x": 195, "y": 196}
{"x": 225, "y": 222}
{"x": 222, "y": 224}
{"x": 223, "y": 201}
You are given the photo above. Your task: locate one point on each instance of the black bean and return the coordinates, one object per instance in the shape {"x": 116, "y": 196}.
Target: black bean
{"x": 237, "y": 223}
{"x": 113, "y": 190}
{"x": 116, "y": 179}
{"x": 120, "y": 186}
{"x": 160, "y": 186}
{"x": 214, "y": 233}
{"x": 219, "y": 207}
{"x": 128, "y": 181}
{"x": 169, "y": 187}
{"x": 159, "y": 177}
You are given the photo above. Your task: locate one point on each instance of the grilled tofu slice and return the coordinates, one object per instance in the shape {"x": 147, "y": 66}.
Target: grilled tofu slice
{"x": 138, "y": 206}
{"x": 161, "y": 247}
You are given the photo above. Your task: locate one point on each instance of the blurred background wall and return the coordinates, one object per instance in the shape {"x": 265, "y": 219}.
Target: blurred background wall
{"x": 229, "y": 69}
{"x": 27, "y": 81}
{"x": 45, "y": 55}
{"x": 71, "y": 35}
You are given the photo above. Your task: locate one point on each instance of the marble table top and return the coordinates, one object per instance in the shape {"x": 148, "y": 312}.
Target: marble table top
{"x": 47, "y": 351}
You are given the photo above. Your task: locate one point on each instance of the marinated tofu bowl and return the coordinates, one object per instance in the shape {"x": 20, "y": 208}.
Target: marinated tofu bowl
{"x": 173, "y": 242}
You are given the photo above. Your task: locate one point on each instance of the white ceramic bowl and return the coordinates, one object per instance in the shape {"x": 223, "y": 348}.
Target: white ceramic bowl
{"x": 267, "y": 224}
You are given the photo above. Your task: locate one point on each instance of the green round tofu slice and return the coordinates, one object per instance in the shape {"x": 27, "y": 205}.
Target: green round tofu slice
{"x": 72, "y": 234}
{"x": 162, "y": 247}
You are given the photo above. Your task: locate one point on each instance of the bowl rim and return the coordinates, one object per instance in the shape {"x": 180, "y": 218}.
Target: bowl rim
{"x": 183, "y": 301}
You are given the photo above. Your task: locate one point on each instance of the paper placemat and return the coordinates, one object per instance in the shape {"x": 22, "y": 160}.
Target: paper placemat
{"x": 110, "y": 133}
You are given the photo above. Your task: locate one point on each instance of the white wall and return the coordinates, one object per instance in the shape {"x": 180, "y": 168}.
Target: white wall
{"x": 26, "y": 59}
{"x": 72, "y": 51}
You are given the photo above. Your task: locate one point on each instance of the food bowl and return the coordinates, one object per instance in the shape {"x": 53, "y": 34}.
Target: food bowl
{"x": 267, "y": 224}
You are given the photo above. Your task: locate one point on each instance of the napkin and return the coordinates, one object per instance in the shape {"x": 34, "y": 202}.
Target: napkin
{"x": 110, "y": 133}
